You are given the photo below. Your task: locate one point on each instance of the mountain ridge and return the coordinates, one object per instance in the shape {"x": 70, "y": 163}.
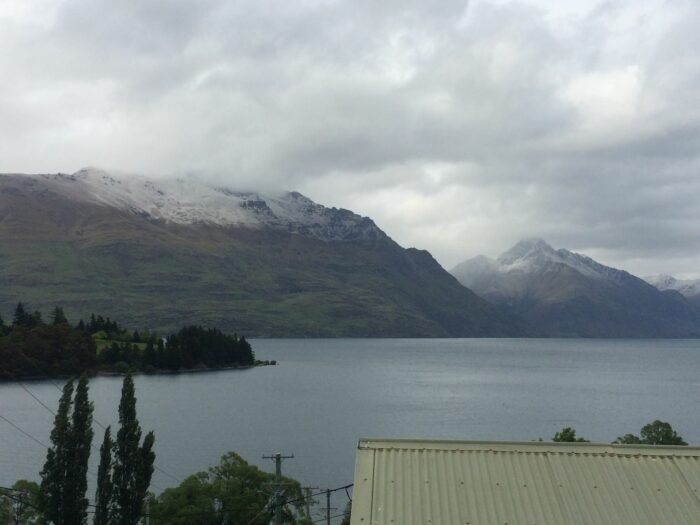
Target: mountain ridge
{"x": 570, "y": 294}
{"x": 296, "y": 268}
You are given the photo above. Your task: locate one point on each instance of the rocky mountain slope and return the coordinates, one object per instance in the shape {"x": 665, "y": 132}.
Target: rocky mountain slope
{"x": 568, "y": 294}
{"x": 158, "y": 254}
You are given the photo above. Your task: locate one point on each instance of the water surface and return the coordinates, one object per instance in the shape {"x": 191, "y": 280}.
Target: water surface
{"x": 326, "y": 394}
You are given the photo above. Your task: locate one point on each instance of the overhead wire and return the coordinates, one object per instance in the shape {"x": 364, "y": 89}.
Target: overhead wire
{"x": 94, "y": 419}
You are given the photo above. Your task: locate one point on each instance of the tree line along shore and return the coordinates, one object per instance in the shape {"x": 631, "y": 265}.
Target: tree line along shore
{"x": 34, "y": 347}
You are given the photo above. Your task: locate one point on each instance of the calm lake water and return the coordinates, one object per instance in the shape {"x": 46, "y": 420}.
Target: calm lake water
{"x": 326, "y": 394}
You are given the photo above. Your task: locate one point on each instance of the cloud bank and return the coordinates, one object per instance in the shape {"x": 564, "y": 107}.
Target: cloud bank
{"x": 459, "y": 127}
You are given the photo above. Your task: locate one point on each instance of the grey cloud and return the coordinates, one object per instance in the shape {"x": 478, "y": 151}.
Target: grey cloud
{"x": 458, "y": 126}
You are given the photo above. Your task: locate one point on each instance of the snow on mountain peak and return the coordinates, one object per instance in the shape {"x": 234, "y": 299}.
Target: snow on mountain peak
{"x": 189, "y": 200}
{"x": 531, "y": 255}
{"x": 688, "y": 288}
{"x": 526, "y": 249}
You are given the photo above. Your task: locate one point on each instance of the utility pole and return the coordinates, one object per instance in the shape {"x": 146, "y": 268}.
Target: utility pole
{"x": 19, "y": 510}
{"x": 328, "y": 506}
{"x": 307, "y": 499}
{"x": 278, "y": 484}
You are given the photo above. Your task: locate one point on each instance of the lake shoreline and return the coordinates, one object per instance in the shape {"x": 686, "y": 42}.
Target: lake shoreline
{"x": 163, "y": 372}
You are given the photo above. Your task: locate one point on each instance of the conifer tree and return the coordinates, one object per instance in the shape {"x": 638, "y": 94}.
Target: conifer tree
{"x": 58, "y": 317}
{"x": 53, "y": 476}
{"x": 21, "y": 316}
{"x": 133, "y": 463}
{"x": 103, "y": 494}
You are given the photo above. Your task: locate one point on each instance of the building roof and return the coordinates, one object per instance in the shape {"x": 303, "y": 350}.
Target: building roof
{"x": 411, "y": 482}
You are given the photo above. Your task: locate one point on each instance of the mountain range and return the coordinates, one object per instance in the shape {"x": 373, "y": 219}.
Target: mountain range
{"x": 160, "y": 254}
{"x": 567, "y": 294}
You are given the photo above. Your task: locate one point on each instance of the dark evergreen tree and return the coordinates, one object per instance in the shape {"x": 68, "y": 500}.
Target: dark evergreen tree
{"x": 133, "y": 463}
{"x": 103, "y": 494}
{"x": 81, "y": 325}
{"x": 34, "y": 319}
{"x": 21, "y": 317}
{"x": 54, "y": 473}
{"x": 150, "y": 357}
{"x": 64, "y": 477}
{"x": 58, "y": 317}
{"x": 79, "y": 454}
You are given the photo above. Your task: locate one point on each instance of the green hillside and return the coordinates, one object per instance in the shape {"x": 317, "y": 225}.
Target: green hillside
{"x": 159, "y": 275}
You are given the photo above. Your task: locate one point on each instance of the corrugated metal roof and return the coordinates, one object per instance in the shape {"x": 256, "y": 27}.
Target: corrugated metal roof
{"x": 410, "y": 482}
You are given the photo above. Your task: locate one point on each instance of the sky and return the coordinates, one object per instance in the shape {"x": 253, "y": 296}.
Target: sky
{"x": 458, "y": 126}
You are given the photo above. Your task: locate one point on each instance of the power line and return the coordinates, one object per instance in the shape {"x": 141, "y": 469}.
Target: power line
{"x": 43, "y": 445}
{"x": 94, "y": 419}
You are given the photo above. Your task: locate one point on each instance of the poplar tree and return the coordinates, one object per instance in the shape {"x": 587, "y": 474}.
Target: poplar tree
{"x": 133, "y": 463}
{"x": 53, "y": 475}
{"x": 64, "y": 476}
{"x": 103, "y": 494}
{"x": 79, "y": 453}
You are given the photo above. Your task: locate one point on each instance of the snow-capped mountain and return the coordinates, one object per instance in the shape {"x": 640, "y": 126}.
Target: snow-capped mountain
{"x": 688, "y": 288}
{"x": 570, "y": 294}
{"x": 159, "y": 254}
{"x": 531, "y": 255}
{"x": 190, "y": 200}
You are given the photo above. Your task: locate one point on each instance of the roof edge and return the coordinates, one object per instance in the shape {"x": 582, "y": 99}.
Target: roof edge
{"x": 526, "y": 446}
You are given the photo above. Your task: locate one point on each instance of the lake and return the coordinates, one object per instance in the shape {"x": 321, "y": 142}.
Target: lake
{"x": 326, "y": 394}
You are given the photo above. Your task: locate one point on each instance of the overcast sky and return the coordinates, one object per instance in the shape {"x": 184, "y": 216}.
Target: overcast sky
{"x": 459, "y": 127}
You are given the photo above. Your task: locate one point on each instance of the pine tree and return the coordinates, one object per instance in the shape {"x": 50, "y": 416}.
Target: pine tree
{"x": 53, "y": 476}
{"x": 133, "y": 464}
{"x": 103, "y": 494}
{"x": 58, "y": 317}
{"x": 21, "y": 316}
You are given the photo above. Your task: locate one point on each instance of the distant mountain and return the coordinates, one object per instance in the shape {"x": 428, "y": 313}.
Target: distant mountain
{"x": 688, "y": 288}
{"x": 568, "y": 294}
{"x": 159, "y": 254}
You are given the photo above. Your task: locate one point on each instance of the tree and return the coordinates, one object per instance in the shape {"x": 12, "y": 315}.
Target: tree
{"x": 21, "y": 317}
{"x": 64, "y": 476}
{"x": 568, "y": 435}
{"x": 19, "y": 504}
{"x": 655, "y": 433}
{"x": 53, "y": 476}
{"x": 58, "y": 317}
{"x": 79, "y": 452}
{"x": 232, "y": 492}
{"x": 133, "y": 463}
{"x": 103, "y": 494}
{"x": 347, "y": 514}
